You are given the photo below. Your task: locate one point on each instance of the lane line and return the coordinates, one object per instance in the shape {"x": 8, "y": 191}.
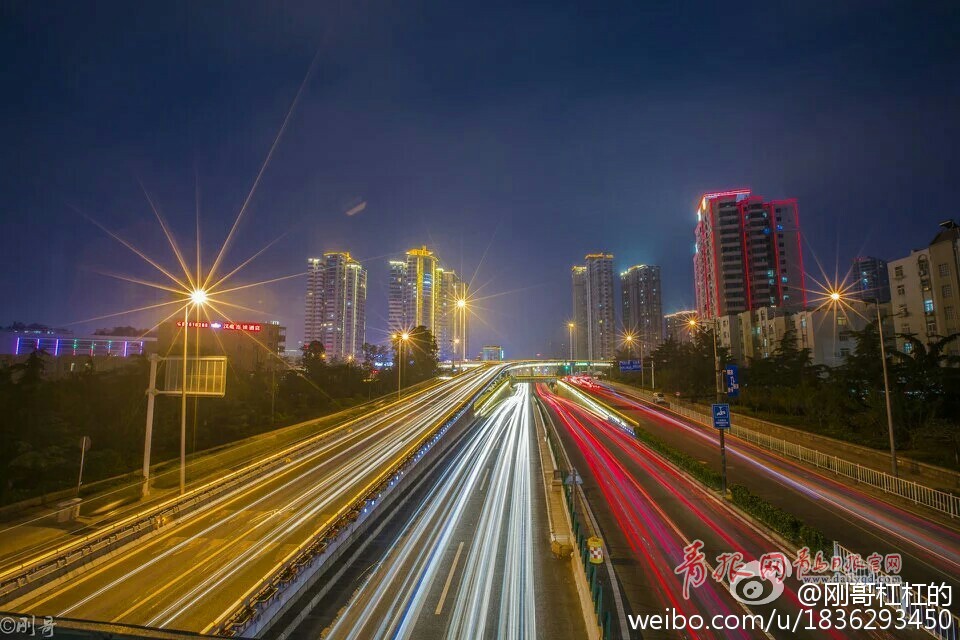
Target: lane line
{"x": 446, "y": 585}
{"x": 483, "y": 481}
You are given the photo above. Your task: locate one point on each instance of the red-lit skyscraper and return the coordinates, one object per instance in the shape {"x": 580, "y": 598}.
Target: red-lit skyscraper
{"x": 748, "y": 254}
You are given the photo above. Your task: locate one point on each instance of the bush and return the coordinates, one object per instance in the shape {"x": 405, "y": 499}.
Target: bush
{"x": 786, "y": 524}
{"x": 694, "y": 467}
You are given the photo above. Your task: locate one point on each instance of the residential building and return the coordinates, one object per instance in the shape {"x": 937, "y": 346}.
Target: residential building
{"x": 677, "y": 325}
{"x": 421, "y": 295}
{"x": 579, "y": 334}
{"x": 396, "y": 291}
{"x": 747, "y": 255}
{"x": 642, "y": 309}
{"x": 872, "y": 280}
{"x": 594, "y": 308}
{"x": 925, "y": 290}
{"x": 452, "y": 315}
{"x": 336, "y": 305}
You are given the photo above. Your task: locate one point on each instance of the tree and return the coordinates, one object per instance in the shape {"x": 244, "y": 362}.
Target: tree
{"x": 420, "y": 355}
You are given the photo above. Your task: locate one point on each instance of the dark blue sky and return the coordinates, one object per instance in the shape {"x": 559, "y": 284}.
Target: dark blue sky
{"x": 545, "y": 131}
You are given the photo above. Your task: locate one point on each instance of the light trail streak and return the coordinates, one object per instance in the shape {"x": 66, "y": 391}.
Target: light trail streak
{"x": 393, "y": 599}
{"x": 180, "y": 575}
{"x": 935, "y": 545}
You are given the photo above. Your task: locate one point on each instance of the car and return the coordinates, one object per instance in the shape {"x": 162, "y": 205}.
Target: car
{"x": 659, "y": 398}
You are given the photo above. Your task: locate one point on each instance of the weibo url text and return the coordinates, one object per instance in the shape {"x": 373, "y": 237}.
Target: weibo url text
{"x": 803, "y": 620}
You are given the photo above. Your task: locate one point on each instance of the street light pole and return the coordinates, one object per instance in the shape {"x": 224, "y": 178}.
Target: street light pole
{"x": 570, "y": 327}
{"x": 183, "y": 404}
{"x": 886, "y": 395}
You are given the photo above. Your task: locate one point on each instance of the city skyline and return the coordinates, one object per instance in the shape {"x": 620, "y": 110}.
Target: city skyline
{"x": 508, "y": 184}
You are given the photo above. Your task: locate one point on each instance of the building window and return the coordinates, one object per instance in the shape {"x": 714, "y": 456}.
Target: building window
{"x": 946, "y": 291}
{"x": 948, "y": 311}
{"x": 944, "y": 270}
{"x": 901, "y": 290}
{"x": 907, "y": 347}
{"x": 898, "y": 272}
{"x": 928, "y": 306}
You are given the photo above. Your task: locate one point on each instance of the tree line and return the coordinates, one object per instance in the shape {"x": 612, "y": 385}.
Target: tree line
{"x": 43, "y": 419}
{"x": 846, "y": 402}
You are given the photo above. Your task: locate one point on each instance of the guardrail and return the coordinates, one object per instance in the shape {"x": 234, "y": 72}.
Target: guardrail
{"x": 941, "y": 501}
{"x": 919, "y": 612}
{"x": 256, "y": 612}
{"x": 575, "y": 502}
{"x": 59, "y": 561}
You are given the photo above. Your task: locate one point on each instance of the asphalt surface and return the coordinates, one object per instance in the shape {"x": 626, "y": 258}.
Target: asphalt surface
{"x": 649, "y": 513}
{"x": 192, "y": 575}
{"x": 473, "y": 560}
{"x": 858, "y": 520}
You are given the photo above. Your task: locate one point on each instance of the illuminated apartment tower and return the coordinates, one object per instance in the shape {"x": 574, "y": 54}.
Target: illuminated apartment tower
{"x": 593, "y": 308}
{"x": 336, "y": 305}
{"x": 748, "y": 254}
{"x": 452, "y": 319}
{"x": 579, "y": 275}
{"x": 397, "y": 295}
{"x": 642, "y": 311}
{"x": 313, "y": 315}
{"x": 420, "y": 295}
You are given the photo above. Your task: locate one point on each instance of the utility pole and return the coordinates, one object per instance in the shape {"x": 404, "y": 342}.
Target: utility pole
{"x": 148, "y": 436}
{"x": 886, "y": 395}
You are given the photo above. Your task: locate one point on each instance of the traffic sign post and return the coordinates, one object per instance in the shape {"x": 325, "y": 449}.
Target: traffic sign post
{"x": 731, "y": 377}
{"x": 721, "y": 422}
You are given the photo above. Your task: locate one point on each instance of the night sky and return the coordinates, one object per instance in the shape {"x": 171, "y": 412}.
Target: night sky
{"x": 536, "y": 133}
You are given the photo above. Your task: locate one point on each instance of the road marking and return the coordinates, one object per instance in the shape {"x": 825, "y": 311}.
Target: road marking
{"x": 483, "y": 481}
{"x": 446, "y": 585}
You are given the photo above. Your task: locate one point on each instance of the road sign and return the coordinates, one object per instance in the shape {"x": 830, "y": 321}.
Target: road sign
{"x": 721, "y": 416}
{"x": 629, "y": 365}
{"x": 730, "y": 374}
{"x": 206, "y": 376}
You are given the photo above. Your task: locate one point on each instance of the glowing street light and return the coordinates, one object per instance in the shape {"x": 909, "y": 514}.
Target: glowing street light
{"x": 403, "y": 337}
{"x": 570, "y": 327}
{"x": 836, "y": 297}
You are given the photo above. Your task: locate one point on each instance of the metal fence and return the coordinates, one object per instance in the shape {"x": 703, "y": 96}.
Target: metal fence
{"x": 919, "y": 612}
{"x": 936, "y": 499}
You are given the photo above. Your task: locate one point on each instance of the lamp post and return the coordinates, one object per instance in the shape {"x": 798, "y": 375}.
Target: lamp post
{"x": 570, "y": 327}
{"x": 462, "y": 308}
{"x": 403, "y": 337}
{"x": 716, "y": 379}
{"x": 197, "y": 299}
{"x": 836, "y": 297}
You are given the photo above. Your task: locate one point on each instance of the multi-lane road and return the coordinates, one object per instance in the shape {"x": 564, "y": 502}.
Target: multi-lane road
{"x": 474, "y": 560}
{"x": 859, "y": 520}
{"x": 195, "y": 573}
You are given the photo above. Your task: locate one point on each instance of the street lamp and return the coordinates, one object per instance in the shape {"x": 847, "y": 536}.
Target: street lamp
{"x": 570, "y": 328}
{"x": 403, "y": 337}
{"x": 836, "y": 297}
{"x": 198, "y": 297}
{"x": 462, "y": 308}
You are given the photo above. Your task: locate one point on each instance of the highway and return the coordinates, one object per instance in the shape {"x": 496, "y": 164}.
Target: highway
{"x": 857, "y": 519}
{"x": 193, "y": 574}
{"x": 649, "y": 513}
{"x": 473, "y": 561}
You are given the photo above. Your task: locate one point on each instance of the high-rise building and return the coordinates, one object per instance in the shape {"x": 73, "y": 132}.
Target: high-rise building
{"x": 593, "y": 308}
{"x": 747, "y": 254}
{"x": 579, "y": 333}
{"x": 420, "y": 303}
{"x": 642, "y": 310}
{"x": 313, "y": 313}
{"x": 397, "y": 295}
{"x": 452, "y": 313}
{"x": 677, "y": 326}
{"x": 872, "y": 280}
{"x": 925, "y": 288}
{"x": 336, "y": 305}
